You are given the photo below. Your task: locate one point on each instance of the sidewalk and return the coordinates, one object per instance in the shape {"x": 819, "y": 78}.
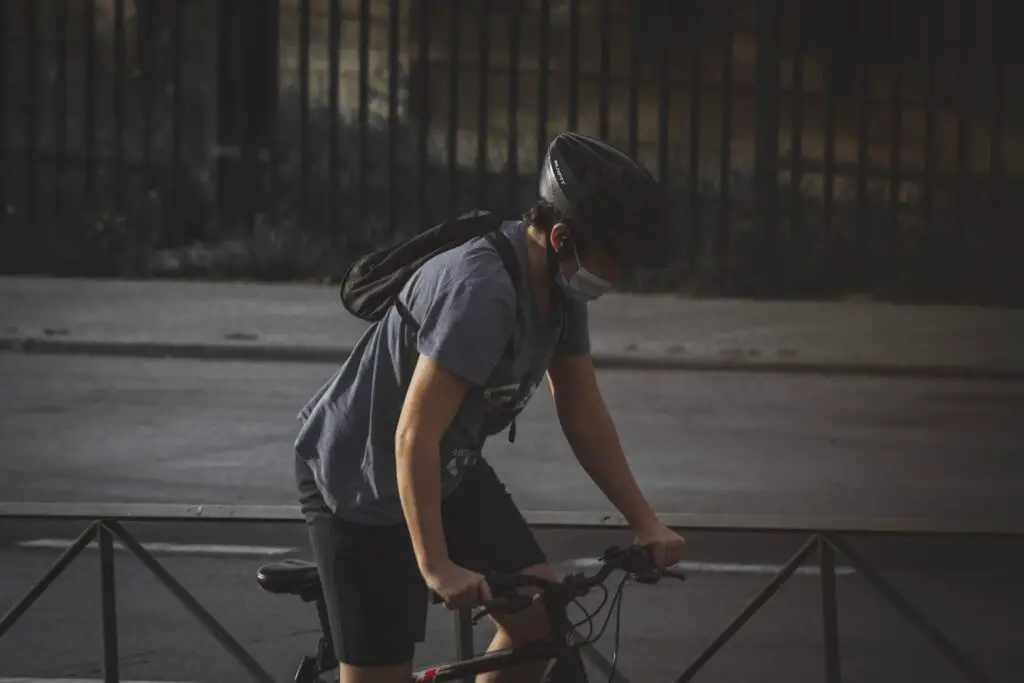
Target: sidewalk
{"x": 308, "y": 323}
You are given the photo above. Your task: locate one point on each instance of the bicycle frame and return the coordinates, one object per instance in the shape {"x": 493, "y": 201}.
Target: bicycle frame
{"x": 492, "y": 661}
{"x": 568, "y": 665}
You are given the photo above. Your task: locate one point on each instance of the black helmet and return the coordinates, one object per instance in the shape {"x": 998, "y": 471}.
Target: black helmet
{"x": 613, "y": 200}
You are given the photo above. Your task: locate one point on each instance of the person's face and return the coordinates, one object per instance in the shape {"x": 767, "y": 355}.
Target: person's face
{"x": 595, "y": 259}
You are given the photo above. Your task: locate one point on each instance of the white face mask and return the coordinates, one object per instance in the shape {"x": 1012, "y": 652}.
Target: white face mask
{"x": 582, "y": 285}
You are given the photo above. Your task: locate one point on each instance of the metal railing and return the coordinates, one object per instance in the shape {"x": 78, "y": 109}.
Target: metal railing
{"x": 808, "y": 146}
{"x": 826, "y": 536}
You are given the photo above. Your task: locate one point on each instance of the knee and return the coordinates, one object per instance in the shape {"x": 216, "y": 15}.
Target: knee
{"x": 531, "y": 624}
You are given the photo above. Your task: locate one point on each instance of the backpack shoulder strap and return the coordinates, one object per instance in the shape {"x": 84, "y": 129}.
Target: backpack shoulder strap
{"x": 508, "y": 256}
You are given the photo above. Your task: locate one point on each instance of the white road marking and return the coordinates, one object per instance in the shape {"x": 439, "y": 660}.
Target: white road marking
{"x": 170, "y": 548}
{"x": 719, "y": 567}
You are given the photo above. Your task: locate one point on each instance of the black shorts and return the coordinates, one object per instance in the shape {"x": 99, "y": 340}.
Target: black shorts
{"x": 376, "y": 598}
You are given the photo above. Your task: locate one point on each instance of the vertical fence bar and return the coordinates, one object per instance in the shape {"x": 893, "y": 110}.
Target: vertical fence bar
{"x": 394, "y": 35}
{"x": 304, "y": 28}
{"x": 829, "y": 607}
{"x": 483, "y": 120}
{"x": 178, "y": 116}
{"x": 515, "y": 33}
{"x": 108, "y": 598}
{"x": 223, "y": 51}
{"x": 865, "y": 55}
{"x": 725, "y": 143}
{"x": 766, "y": 153}
{"x": 831, "y": 74}
{"x": 147, "y": 45}
{"x": 247, "y": 118}
{"x": 574, "y": 65}
{"x": 120, "y": 67}
{"x": 544, "y": 64}
{"x": 272, "y": 28}
{"x": 31, "y": 110}
{"x": 963, "y": 118}
{"x": 90, "y": 98}
{"x": 692, "y": 242}
{"x": 634, "y": 78}
{"x": 364, "y": 108}
{"x": 423, "y": 136}
{"x": 664, "y": 90}
{"x": 896, "y": 142}
{"x": 930, "y": 109}
{"x": 796, "y": 136}
{"x": 998, "y": 46}
{"x": 606, "y": 67}
{"x": 453, "y": 111}
{"x": 60, "y": 117}
{"x": 333, "y": 97}
{"x": 4, "y": 22}
{"x": 995, "y": 158}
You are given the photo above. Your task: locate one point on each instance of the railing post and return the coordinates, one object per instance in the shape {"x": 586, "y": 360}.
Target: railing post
{"x": 191, "y": 604}
{"x": 59, "y": 566}
{"x": 827, "y": 558}
{"x": 757, "y": 603}
{"x": 109, "y": 602}
{"x": 463, "y": 635}
{"x": 939, "y": 641}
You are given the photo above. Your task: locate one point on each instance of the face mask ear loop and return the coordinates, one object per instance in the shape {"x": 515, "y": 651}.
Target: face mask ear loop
{"x": 552, "y": 255}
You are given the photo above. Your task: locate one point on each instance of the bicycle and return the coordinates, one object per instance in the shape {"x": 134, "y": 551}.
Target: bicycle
{"x": 299, "y": 577}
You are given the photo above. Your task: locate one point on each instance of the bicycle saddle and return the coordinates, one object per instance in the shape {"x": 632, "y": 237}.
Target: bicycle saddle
{"x": 291, "y": 576}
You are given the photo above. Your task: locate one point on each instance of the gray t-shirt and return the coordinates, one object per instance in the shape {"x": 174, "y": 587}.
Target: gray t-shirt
{"x": 465, "y": 304}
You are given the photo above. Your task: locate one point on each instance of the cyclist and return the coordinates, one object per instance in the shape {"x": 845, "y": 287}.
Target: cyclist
{"x": 396, "y": 495}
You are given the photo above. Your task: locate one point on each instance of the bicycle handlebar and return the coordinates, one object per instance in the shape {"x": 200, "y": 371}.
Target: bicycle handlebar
{"x": 637, "y": 561}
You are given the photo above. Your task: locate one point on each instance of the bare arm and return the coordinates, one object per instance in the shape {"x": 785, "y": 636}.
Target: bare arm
{"x": 591, "y": 433}
{"x": 430, "y": 405}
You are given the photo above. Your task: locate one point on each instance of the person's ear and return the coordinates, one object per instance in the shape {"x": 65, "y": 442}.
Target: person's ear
{"x": 560, "y": 236}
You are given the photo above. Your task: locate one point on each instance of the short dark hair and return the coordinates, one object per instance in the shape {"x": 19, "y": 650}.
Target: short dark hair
{"x": 544, "y": 215}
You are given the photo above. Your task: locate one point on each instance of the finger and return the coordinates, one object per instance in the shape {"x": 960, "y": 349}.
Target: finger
{"x": 485, "y": 590}
{"x": 658, "y": 550}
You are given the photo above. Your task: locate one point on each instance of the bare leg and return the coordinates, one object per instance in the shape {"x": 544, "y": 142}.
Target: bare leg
{"x": 517, "y": 629}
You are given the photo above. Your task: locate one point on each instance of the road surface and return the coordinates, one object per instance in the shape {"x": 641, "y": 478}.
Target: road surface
{"x": 80, "y": 429}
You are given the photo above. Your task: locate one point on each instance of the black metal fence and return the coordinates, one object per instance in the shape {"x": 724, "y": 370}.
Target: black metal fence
{"x": 810, "y": 148}
{"x": 828, "y": 538}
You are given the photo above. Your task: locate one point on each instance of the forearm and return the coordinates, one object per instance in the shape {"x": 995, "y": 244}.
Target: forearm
{"x": 419, "y": 488}
{"x": 595, "y": 443}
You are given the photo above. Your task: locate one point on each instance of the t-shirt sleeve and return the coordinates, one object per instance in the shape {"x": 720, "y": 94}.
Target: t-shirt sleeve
{"x": 576, "y": 340}
{"x": 467, "y": 325}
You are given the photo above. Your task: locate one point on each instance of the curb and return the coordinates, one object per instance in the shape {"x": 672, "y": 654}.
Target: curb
{"x": 337, "y": 355}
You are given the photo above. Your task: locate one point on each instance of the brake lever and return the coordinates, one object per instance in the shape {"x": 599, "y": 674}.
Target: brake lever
{"x": 510, "y": 604}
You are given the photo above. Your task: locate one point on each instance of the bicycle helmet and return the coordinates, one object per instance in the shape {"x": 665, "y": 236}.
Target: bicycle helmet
{"x": 610, "y": 198}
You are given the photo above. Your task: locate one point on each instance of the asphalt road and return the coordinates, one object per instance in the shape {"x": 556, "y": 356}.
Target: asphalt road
{"x": 80, "y": 429}
{"x": 83, "y": 429}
